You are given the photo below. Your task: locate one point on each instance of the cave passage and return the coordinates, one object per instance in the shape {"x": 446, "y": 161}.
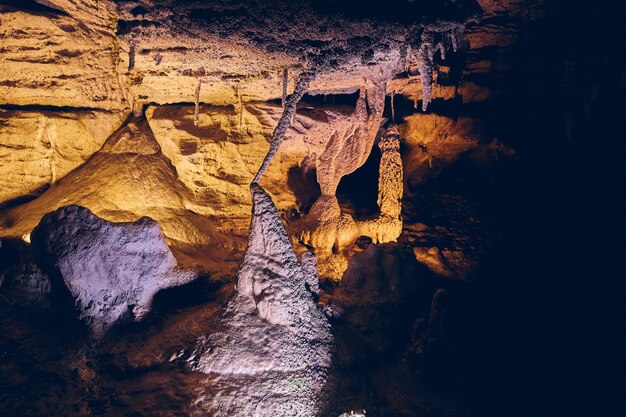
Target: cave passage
{"x": 358, "y": 192}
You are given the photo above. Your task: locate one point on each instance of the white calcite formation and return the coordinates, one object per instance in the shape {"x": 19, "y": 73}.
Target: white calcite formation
{"x": 274, "y": 349}
{"x": 111, "y": 270}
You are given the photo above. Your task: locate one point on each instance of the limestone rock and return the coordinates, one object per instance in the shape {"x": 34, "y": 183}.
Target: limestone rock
{"x": 434, "y": 260}
{"x": 388, "y": 225}
{"x": 37, "y": 148}
{"x": 308, "y": 260}
{"x": 242, "y": 48}
{"x": 130, "y": 178}
{"x": 349, "y": 144}
{"x": 273, "y": 352}
{"x": 216, "y": 160}
{"x": 111, "y": 270}
{"x": 435, "y": 141}
{"x": 61, "y": 56}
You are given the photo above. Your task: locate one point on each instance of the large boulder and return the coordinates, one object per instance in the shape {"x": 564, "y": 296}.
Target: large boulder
{"x": 111, "y": 270}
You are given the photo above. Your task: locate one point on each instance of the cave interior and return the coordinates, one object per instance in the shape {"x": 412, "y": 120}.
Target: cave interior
{"x": 310, "y": 208}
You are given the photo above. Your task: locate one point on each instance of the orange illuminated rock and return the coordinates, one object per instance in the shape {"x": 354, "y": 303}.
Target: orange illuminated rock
{"x": 64, "y": 55}
{"x": 37, "y": 148}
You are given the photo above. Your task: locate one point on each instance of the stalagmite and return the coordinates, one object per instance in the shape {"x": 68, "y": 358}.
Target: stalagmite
{"x": 196, "y": 114}
{"x": 308, "y": 260}
{"x": 302, "y": 83}
{"x": 272, "y": 331}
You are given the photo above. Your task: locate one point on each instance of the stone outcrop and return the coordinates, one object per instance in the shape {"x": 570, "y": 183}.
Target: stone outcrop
{"x": 130, "y": 178}
{"x": 111, "y": 270}
{"x": 60, "y": 53}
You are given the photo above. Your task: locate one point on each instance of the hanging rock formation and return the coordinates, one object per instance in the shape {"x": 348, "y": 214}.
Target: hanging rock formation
{"x": 388, "y": 225}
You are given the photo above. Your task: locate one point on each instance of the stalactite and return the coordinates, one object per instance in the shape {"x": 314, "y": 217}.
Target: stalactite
{"x": 442, "y": 49}
{"x": 302, "y": 84}
{"x": 285, "y": 84}
{"x": 197, "y": 103}
{"x": 240, "y": 96}
{"x": 132, "y": 47}
{"x": 424, "y": 57}
{"x": 454, "y": 41}
{"x": 393, "y": 112}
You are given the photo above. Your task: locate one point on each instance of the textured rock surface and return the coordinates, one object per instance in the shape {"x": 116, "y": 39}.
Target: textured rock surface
{"x": 37, "y": 148}
{"x": 112, "y": 271}
{"x": 540, "y": 86}
{"x": 242, "y": 48}
{"x": 216, "y": 160}
{"x": 388, "y": 225}
{"x": 273, "y": 352}
{"x": 129, "y": 178}
{"x": 61, "y": 54}
{"x": 434, "y": 142}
